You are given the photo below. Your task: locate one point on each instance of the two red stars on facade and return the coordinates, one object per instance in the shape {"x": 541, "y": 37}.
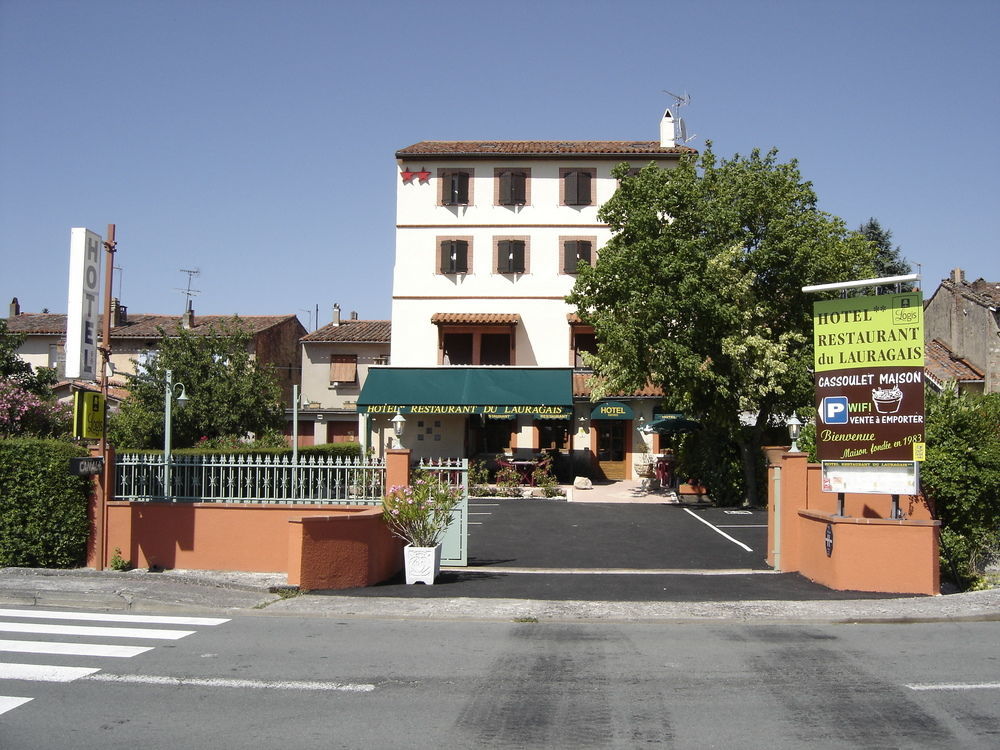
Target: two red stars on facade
{"x": 423, "y": 175}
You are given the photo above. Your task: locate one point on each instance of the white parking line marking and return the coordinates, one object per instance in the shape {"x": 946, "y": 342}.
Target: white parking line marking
{"x": 148, "y": 679}
{"x": 43, "y": 672}
{"x": 87, "y": 630}
{"x": 47, "y": 614}
{"x": 956, "y": 686}
{"x": 72, "y": 649}
{"x": 717, "y": 530}
{"x": 9, "y": 702}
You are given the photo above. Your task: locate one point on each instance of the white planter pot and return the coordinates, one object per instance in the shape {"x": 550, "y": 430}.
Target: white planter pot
{"x": 422, "y": 564}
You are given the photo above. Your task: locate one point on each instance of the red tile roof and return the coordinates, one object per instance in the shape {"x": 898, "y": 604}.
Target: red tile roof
{"x": 479, "y": 319}
{"x": 941, "y": 365}
{"x": 142, "y": 325}
{"x": 354, "y": 332}
{"x": 582, "y": 389}
{"x": 541, "y": 149}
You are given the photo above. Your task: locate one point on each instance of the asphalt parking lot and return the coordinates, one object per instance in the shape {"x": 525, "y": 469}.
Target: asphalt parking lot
{"x": 648, "y": 552}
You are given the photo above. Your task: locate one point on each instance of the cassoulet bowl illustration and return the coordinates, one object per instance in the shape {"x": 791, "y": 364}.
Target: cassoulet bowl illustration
{"x": 887, "y": 400}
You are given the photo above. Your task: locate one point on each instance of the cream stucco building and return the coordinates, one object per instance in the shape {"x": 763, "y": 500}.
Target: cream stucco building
{"x": 485, "y": 350}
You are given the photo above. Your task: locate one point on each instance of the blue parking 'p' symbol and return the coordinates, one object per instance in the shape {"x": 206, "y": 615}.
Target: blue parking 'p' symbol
{"x": 833, "y": 410}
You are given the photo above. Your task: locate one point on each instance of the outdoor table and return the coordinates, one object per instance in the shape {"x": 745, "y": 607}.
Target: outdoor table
{"x": 526, "y": 470}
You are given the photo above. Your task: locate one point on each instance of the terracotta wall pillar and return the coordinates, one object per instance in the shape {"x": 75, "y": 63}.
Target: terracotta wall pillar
{"x": 794, "y": 497}
{"x": 397, "y": 468}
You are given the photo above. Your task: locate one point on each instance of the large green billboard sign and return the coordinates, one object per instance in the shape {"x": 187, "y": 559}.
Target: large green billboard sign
{"x": 869, "y": 372}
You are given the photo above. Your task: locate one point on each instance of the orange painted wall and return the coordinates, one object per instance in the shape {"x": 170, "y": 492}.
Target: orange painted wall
{"x": 342, "y": 551}
{"x": 871, "y": 551}
{"x": 208, "y": 536}
{"x": 870, "y": 555}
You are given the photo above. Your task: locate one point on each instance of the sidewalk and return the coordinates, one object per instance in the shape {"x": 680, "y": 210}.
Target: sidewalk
{"x": 261, "y": 593}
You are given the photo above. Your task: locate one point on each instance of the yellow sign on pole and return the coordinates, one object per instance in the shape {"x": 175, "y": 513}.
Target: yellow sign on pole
{"x": 88, "y": 414}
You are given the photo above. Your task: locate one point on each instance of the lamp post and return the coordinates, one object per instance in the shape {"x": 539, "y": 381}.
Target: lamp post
{"x": 398, "y": 423}
{"x": 794, "y": 430}
{"x": 168, "y": 399}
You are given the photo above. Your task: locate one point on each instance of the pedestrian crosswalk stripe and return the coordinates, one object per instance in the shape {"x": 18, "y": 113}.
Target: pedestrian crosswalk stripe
{"x": 43, "y": 672}
{"x": 149, "y": 679}
{"x": 8, "y": 702}
{"x": 72, "y": 649}
{"x": 48, "y": 614}
{"x": 88, "y": 630}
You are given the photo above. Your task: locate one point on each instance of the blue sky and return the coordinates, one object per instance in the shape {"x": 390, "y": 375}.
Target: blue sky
{"x": 254, "y": 140}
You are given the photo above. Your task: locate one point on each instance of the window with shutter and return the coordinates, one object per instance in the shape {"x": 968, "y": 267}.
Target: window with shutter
{"x": 455, "y": 189}
{"x": 454, "y": 256}
{"x": 576, "y": 252}
{"x": 510, "y": 256}
{"x": 513, "y": 188}
{"x": 576, "y": 187}
{"x": 343, "y": 368}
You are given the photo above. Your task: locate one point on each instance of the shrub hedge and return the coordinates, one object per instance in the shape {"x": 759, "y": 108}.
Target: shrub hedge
{"x": 43, "y": 509}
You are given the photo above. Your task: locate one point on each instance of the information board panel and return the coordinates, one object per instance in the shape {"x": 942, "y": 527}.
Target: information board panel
{"x": 872, "y": 477}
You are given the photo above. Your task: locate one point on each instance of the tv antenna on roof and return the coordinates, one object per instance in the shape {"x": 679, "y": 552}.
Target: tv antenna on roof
{"x": 189, "y": 292}
{"x": 680, "y": 129}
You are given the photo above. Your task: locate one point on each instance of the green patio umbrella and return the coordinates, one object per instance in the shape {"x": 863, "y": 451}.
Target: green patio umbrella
{"x": 671, "y": 424}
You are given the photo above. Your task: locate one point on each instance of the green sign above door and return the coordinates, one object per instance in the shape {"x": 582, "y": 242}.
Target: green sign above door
{"x": 612, "y": 410}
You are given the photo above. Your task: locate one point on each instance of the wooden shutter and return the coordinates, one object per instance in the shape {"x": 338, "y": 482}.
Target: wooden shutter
{"x": 454, "y": 256}
{"x": 513, "y": 188}
{"x": 510, "y": 256}
{"x": 457, "y": 189}
{"x": 575, "y": 252}
{"x": 343, "y": 368}
{"x": 515, "y": 256}
{"x": 577, "y": 188}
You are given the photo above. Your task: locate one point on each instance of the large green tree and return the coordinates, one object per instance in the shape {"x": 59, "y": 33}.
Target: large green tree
{"x": 229, "y": 392}
{"x": 889, "y": 260}
{"x": 699, "y": 290}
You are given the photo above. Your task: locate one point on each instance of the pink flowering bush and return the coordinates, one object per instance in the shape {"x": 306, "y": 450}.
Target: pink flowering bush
{"x": 24, "y": 413}
{"x": 420, "y": 513}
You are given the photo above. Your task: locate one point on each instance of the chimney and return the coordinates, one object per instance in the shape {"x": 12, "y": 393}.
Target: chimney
{"x": 336, "y": 314}
{"x": 957, "y": 276}
{"x": 119, "y": 313}
{"x": 15, "y": 308}
{"x": 667, "y": 130}
{"x": 187, "y": 319}
{"x": 354, "y": 315}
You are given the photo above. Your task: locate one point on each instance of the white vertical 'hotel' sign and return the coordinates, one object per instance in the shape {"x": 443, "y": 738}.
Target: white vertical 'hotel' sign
{"x": 84, "y": 302}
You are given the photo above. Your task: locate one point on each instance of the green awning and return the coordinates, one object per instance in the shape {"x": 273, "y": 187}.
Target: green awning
{"x": 493, "y": 391}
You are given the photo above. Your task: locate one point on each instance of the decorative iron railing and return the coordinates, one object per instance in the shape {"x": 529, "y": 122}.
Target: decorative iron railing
{"x": 453, "y": 471}
{"x": 238, "y": 478}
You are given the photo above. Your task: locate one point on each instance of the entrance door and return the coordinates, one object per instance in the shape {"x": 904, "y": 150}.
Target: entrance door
{"x": 611, "y": 448}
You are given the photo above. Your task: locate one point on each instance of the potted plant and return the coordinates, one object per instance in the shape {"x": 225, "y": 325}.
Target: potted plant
{"x": 419, "y": 514}
{"x": 643, "y": 460}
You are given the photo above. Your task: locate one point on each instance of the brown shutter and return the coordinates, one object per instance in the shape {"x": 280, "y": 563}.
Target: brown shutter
{"x": 343, "y": 368}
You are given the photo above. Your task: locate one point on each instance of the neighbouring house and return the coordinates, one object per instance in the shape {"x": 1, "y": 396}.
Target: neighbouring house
{"x": 335, "y": 361}
{"x": 486, "y": 353}
{"x": 136, "y": 337}
{"x": 962, "y": 331}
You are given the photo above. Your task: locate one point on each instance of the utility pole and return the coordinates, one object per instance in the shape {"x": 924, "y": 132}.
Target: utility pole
{"x": 107, "y": 473}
